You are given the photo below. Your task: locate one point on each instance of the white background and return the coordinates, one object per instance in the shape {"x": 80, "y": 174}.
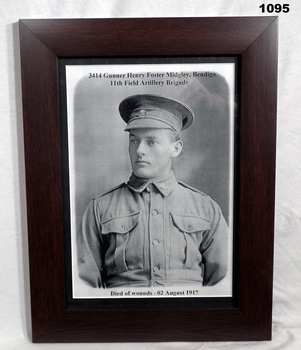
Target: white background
{"x": 14, "y": 281}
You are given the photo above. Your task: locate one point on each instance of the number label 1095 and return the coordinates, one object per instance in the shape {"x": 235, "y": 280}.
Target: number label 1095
{"x": 274, "y": 8}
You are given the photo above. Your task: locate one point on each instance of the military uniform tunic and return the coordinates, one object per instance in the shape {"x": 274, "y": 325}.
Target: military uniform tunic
{"x": 145, "y": 234}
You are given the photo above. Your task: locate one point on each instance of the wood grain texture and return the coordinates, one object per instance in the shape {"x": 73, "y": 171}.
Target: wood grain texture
{"x": 43, "y": 181}
{"x": 145, "y": 36}
{"x": 254, "y": 40}
{"x": 257, "y": 176}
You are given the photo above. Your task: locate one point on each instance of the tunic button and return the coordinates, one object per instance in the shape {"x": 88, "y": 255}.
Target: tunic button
{"x": 155, "y": 212}
{"x": 122, "y": 228}
{"x": 190, "y": 228}
{"x": 155, "y": 241}
{"x": 156, "y": 268}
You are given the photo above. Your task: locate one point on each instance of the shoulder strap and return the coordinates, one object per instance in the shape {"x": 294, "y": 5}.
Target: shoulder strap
{"x": 112, "y": 189}
{"x": 191, "y": 188}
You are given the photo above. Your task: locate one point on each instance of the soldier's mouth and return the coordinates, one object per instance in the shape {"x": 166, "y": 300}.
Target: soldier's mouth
{"x": 142, "y": 162}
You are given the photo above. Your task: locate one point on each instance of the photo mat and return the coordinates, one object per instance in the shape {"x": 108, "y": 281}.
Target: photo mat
{"x": 98, "y": 146}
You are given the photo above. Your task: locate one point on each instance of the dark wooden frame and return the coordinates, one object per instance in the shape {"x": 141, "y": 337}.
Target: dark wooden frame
{"x": 254, "y": 41}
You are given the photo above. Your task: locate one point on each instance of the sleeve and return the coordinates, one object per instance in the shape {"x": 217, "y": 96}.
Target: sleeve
{"x": 89, "y": 247}
{"x": 214, "y": 247}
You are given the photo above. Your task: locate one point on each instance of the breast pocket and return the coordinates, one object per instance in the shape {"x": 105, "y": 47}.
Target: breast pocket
{"x": 186, "y": 237}
{"x": 121, "y": 245}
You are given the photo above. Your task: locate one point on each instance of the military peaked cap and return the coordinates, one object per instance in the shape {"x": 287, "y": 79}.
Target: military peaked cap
{"x": 154, "y": 111}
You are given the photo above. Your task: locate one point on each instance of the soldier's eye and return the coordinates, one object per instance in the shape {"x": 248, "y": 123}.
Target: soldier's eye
{"x": 133, "y": 141}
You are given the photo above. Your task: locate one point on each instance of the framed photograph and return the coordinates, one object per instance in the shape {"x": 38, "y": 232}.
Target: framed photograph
{"x": 150, "y": 166}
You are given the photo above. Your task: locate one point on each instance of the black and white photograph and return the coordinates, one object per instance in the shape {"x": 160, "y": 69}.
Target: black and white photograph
{"x": 151, "y": 168}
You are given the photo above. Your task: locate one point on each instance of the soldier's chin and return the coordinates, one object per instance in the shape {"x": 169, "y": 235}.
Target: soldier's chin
{"x": 142, "y": 174}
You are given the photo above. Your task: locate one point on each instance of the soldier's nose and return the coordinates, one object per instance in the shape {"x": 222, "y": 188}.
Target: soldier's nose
{"x": 141, "y": 149}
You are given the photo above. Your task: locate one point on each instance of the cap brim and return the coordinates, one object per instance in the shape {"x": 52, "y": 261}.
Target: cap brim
{"x": 145, "y": 123}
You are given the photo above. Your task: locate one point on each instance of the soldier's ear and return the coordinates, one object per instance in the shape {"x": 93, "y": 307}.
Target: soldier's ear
{"x": 177, "y": 148}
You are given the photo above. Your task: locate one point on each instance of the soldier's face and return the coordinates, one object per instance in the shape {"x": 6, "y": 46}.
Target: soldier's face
{"x": 151, "y": 152}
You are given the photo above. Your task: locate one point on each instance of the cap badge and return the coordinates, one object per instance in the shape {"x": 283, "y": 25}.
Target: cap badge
{"x": 142, "y": 112}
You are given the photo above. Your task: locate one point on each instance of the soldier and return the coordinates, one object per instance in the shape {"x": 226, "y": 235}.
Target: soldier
{"x": 153, "y": 230}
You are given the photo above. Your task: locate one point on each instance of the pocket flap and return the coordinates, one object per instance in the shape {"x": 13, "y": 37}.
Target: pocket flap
{"x": 120, "y": 224}
{"x": 190, "y": 224}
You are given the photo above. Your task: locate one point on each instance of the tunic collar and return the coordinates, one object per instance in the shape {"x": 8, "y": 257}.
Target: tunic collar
{"x": 165, "y": 185}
